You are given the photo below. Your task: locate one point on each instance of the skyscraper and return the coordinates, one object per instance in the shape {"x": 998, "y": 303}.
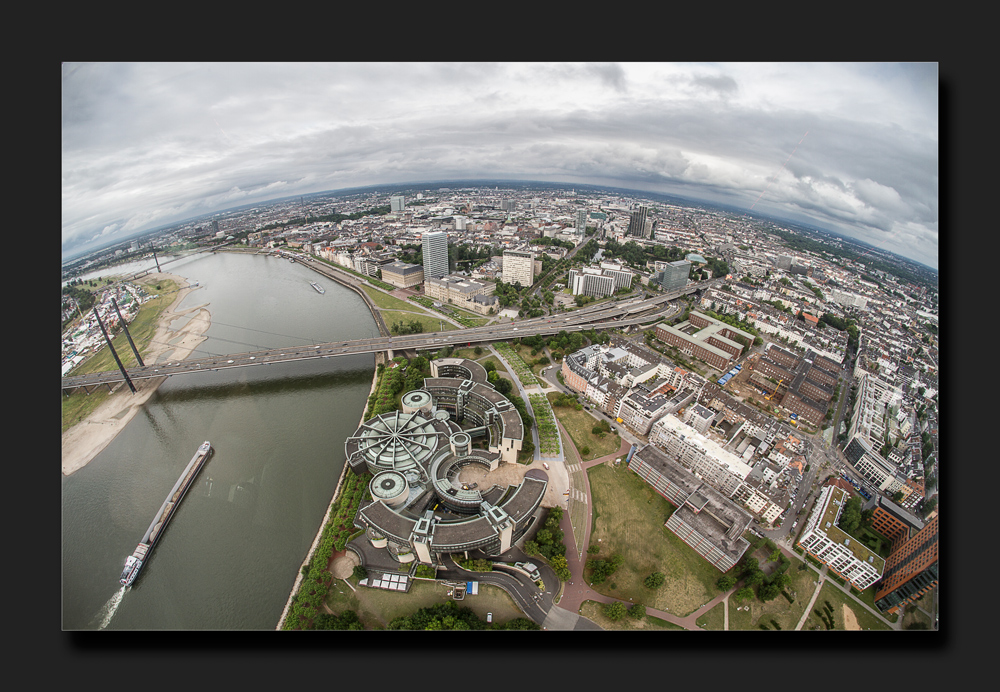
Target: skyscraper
{"x": 396, "y": 203}
{"x": 637, "y": 222}
{"x": 581, "y": 221}
{"x": 674, "y": 274}
{"x": 435, "y": 252}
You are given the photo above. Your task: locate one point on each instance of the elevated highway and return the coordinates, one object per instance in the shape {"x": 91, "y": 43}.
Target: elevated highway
{"x": 614, "y": 315}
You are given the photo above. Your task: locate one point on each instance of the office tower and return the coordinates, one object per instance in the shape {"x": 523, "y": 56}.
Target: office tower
{"x": 396, "y": 203}
{"x": 637, "y": 222}
{"x": 910, "y": 570}
{"x": 675, "y": 275}
{"x": 581, "y": 221}
{"x": 518, "y": 266}
{"x": 435, "y": 253}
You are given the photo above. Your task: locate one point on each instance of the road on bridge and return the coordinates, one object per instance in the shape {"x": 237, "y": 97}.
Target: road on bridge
{"x": 615, "y": 314}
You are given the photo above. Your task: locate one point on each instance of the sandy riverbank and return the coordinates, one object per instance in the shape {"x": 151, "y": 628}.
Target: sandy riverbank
{"x": 86, "y": 439}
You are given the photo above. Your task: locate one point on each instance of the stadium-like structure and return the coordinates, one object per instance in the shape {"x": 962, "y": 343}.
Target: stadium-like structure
{"x": 420, "y": 508}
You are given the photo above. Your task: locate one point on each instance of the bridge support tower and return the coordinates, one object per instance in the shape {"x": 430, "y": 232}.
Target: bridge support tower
{"x": 113, "y": 352}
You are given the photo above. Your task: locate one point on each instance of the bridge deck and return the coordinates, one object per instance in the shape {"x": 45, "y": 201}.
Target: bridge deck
{"x": 616, "y": 314}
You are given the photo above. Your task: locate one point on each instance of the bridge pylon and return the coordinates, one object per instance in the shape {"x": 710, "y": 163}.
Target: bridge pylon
{"x": 113, "y": 352}
{"x": 127, "y": 335}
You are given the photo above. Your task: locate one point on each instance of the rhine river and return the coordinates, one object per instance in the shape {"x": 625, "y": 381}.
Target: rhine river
{"x": 231, "y": 553}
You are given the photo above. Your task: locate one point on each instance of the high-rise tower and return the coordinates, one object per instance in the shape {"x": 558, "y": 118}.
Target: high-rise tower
{"x": 637, "y": 222}
{"x": 435, "y": 252}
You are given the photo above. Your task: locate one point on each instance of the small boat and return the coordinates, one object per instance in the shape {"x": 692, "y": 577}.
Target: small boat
{"x": 319, "y": 289}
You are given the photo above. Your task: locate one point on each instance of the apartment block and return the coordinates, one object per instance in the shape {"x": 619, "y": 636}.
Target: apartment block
{"x": 844, "y": 555}
{"x": 910, "y": 570}
{"x": 704, "y": 518}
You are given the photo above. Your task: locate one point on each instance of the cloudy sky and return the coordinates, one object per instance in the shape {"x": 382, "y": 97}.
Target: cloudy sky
{"x": 847, "y": 146}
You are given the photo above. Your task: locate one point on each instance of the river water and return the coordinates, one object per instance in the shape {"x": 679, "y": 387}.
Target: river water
{"x": 230, "y": 555}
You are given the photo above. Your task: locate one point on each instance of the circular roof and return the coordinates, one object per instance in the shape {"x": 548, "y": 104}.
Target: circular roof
{"x": 416, "y": 399}
{"x": 387, "y": 485}
{"x": 397, "y": 440}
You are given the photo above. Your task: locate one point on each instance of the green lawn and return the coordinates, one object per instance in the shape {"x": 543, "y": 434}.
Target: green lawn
{"x": 628, "y": 519}
{"x": 429, "y": 322}
{"x": 387, "y": 302}
{"x": 378, "y": 607}
{"x": 786, "y": 614}
{"x": 838, "y": 599}
{"x": 579, "y": 425}
{"x": 592, "y": 610}
{"x": 715, "y": 619}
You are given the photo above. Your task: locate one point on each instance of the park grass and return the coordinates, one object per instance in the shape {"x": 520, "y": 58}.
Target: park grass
{"x": 594, "y": 611}
{"x": 714, "y": 619}
{"x": 387, "y": 302}
{"x": 579, "y": 425}
{"x": 376, "y": 608}
{"x": 838, "y": 599}
{"x": 78, "y": 405}
{"x": 786, "y": 614}
{"x": 629, "y": 519}
{"x": 428, "y": 322}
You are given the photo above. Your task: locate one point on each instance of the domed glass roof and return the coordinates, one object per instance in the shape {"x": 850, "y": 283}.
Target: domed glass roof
{"x": 397, "y": 440}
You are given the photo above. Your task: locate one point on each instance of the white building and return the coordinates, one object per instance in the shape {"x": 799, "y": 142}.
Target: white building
{"x": 518, "y": 267}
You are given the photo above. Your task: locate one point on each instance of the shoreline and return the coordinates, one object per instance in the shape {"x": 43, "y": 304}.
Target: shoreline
{"x": 322, "y": 525}
{"x": 88, "y": 438}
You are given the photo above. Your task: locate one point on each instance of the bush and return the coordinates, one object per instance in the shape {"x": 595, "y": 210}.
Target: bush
{"x": 654, "y": 580}
{"x": 615, "y": 611}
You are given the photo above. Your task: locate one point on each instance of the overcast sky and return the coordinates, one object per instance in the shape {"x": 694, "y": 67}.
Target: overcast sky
{"x": 145, "y": 144}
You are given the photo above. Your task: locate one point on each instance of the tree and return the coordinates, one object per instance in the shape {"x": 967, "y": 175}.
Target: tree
{"x": 768, "y": 592}
{"x": 744, "y": 594}
{"x": 637, "y": 611}
{"x": 615, "y": 610}
{"x": 360, "y": 572}
{"x": 654, "y": 580}
{"x": 726, "y": 582}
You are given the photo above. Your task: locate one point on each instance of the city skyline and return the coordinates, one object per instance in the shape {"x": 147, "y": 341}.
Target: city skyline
{"x": 844, "y": 146}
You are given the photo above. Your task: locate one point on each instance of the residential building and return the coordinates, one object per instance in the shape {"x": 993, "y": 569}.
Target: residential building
{"x": 704, "y": 518}
{"x": 910, "y": 570}
{"x": 839, "y": 551}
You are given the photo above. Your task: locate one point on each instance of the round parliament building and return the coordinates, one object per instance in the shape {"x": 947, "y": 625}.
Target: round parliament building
{"x": 423, "y": 504}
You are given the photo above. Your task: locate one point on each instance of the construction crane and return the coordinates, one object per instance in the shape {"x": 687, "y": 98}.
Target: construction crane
{"x": 768, "y": 397}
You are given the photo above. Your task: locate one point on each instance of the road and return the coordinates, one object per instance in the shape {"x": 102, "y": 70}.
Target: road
{"x": 612, "y": 315}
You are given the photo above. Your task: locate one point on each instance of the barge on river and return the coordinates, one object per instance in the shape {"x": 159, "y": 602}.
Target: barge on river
{"x": 135, "y": 561}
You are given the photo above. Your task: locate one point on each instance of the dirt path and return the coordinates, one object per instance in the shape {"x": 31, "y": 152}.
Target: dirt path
{"x": 850, "y": 620}
{"x": 86, "y": 439}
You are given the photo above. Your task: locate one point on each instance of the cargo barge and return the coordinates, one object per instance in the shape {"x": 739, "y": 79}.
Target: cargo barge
{"x": 319, "y": 289}
{"x": 134, "y": 562}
